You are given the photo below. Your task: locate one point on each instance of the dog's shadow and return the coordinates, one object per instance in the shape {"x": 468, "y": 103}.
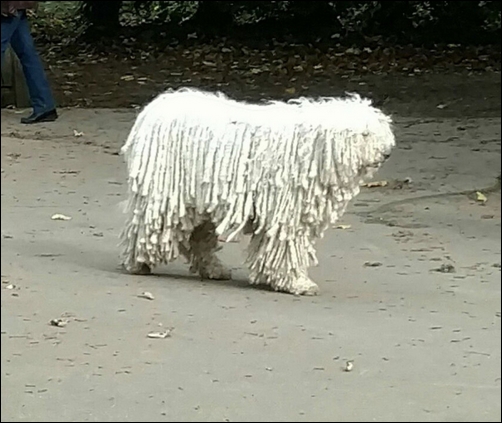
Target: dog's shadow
{"x": 63, "y": 254}
{"x": 239, "y": 282}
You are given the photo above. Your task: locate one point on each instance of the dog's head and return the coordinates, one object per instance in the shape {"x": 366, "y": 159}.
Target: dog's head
{"x": 374, "y": 156}
{"x": 360, "y": 134}
{"x": 372, "y": 146}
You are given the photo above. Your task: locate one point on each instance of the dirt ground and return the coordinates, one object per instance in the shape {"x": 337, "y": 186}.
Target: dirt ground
{"x": 410, "y": 292}
{"x": 107, "y": 82}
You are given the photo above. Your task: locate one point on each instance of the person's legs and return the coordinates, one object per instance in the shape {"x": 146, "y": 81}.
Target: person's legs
{"x": 9, "y": 26}
{"x": 36, "y": 79}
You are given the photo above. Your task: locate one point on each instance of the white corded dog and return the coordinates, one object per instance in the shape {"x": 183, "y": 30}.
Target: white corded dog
{"x": 201, "y": 165}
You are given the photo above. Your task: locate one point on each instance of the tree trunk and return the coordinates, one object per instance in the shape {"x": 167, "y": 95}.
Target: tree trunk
{"x": 213, "y": 16}
{"x": 102, "y": 16}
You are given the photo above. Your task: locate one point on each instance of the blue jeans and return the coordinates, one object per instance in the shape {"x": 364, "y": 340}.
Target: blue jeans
{"x": 16, "y": 32}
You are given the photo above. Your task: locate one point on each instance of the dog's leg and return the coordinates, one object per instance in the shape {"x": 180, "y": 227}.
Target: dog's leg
{"x": 132, "y": 263}
{"x": 202, "y": 254}
{"x": 138, "y": 269}
{"x": 133, "y": 260}
{"x": 282, "y": 264}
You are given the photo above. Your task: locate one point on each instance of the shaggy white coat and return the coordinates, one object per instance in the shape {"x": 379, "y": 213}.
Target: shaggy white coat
{"x": 202, "y": 165}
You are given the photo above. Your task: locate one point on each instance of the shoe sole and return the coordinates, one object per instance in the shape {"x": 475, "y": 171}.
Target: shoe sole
{"x": 44, "y": 120}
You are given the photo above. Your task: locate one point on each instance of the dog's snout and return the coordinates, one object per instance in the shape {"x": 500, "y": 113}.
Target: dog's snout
{"x": 386, "y": 156}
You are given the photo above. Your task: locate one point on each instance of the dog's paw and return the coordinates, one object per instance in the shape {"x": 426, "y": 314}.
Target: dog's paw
{"x": 217, "y": 272}
{"x": 304, "y": 286}
{"x": 141, "y": 269}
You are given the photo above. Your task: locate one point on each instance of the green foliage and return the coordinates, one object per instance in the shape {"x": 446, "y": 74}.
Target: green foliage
{"x": 468, "y": 22}
{"x": 144, "y": 12}
{"x": 55, "y": 20}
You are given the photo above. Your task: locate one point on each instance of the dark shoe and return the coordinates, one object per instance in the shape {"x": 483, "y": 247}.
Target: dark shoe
{"x": 49, "y": 116}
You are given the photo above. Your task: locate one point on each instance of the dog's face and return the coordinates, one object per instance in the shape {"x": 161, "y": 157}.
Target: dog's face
{"x": 375, "y": 152}
{"x": 380, "y": 157}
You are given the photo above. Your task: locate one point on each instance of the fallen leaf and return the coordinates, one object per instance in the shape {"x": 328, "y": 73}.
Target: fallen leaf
{"x": 445, "y": 268}
{"x": 372, "y": 264}
{"x": 68, "y": 172}
{"x": 146, "y": 295}
{"x": 376, "y": 184}
{"x": 58, "y": 216}
{"x": 77, "y": 134}
{"x": 10, "y": 286}
{"x": 291, "y": 90}
{"x": 60, "y": 323}
{"x": 349, "y": 366}
{"x": 159, "y": 335}
{"x": 343, "y": 227}
{"x": 127, "y": 78}
{"x": 481, "y": 198}
{"x": 442, "y": 106}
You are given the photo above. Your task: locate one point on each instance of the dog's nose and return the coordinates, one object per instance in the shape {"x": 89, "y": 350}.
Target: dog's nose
{"x": 386, "y": 156}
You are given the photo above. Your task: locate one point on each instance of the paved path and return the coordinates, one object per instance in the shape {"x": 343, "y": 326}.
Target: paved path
{"x": 426, "y": 345}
